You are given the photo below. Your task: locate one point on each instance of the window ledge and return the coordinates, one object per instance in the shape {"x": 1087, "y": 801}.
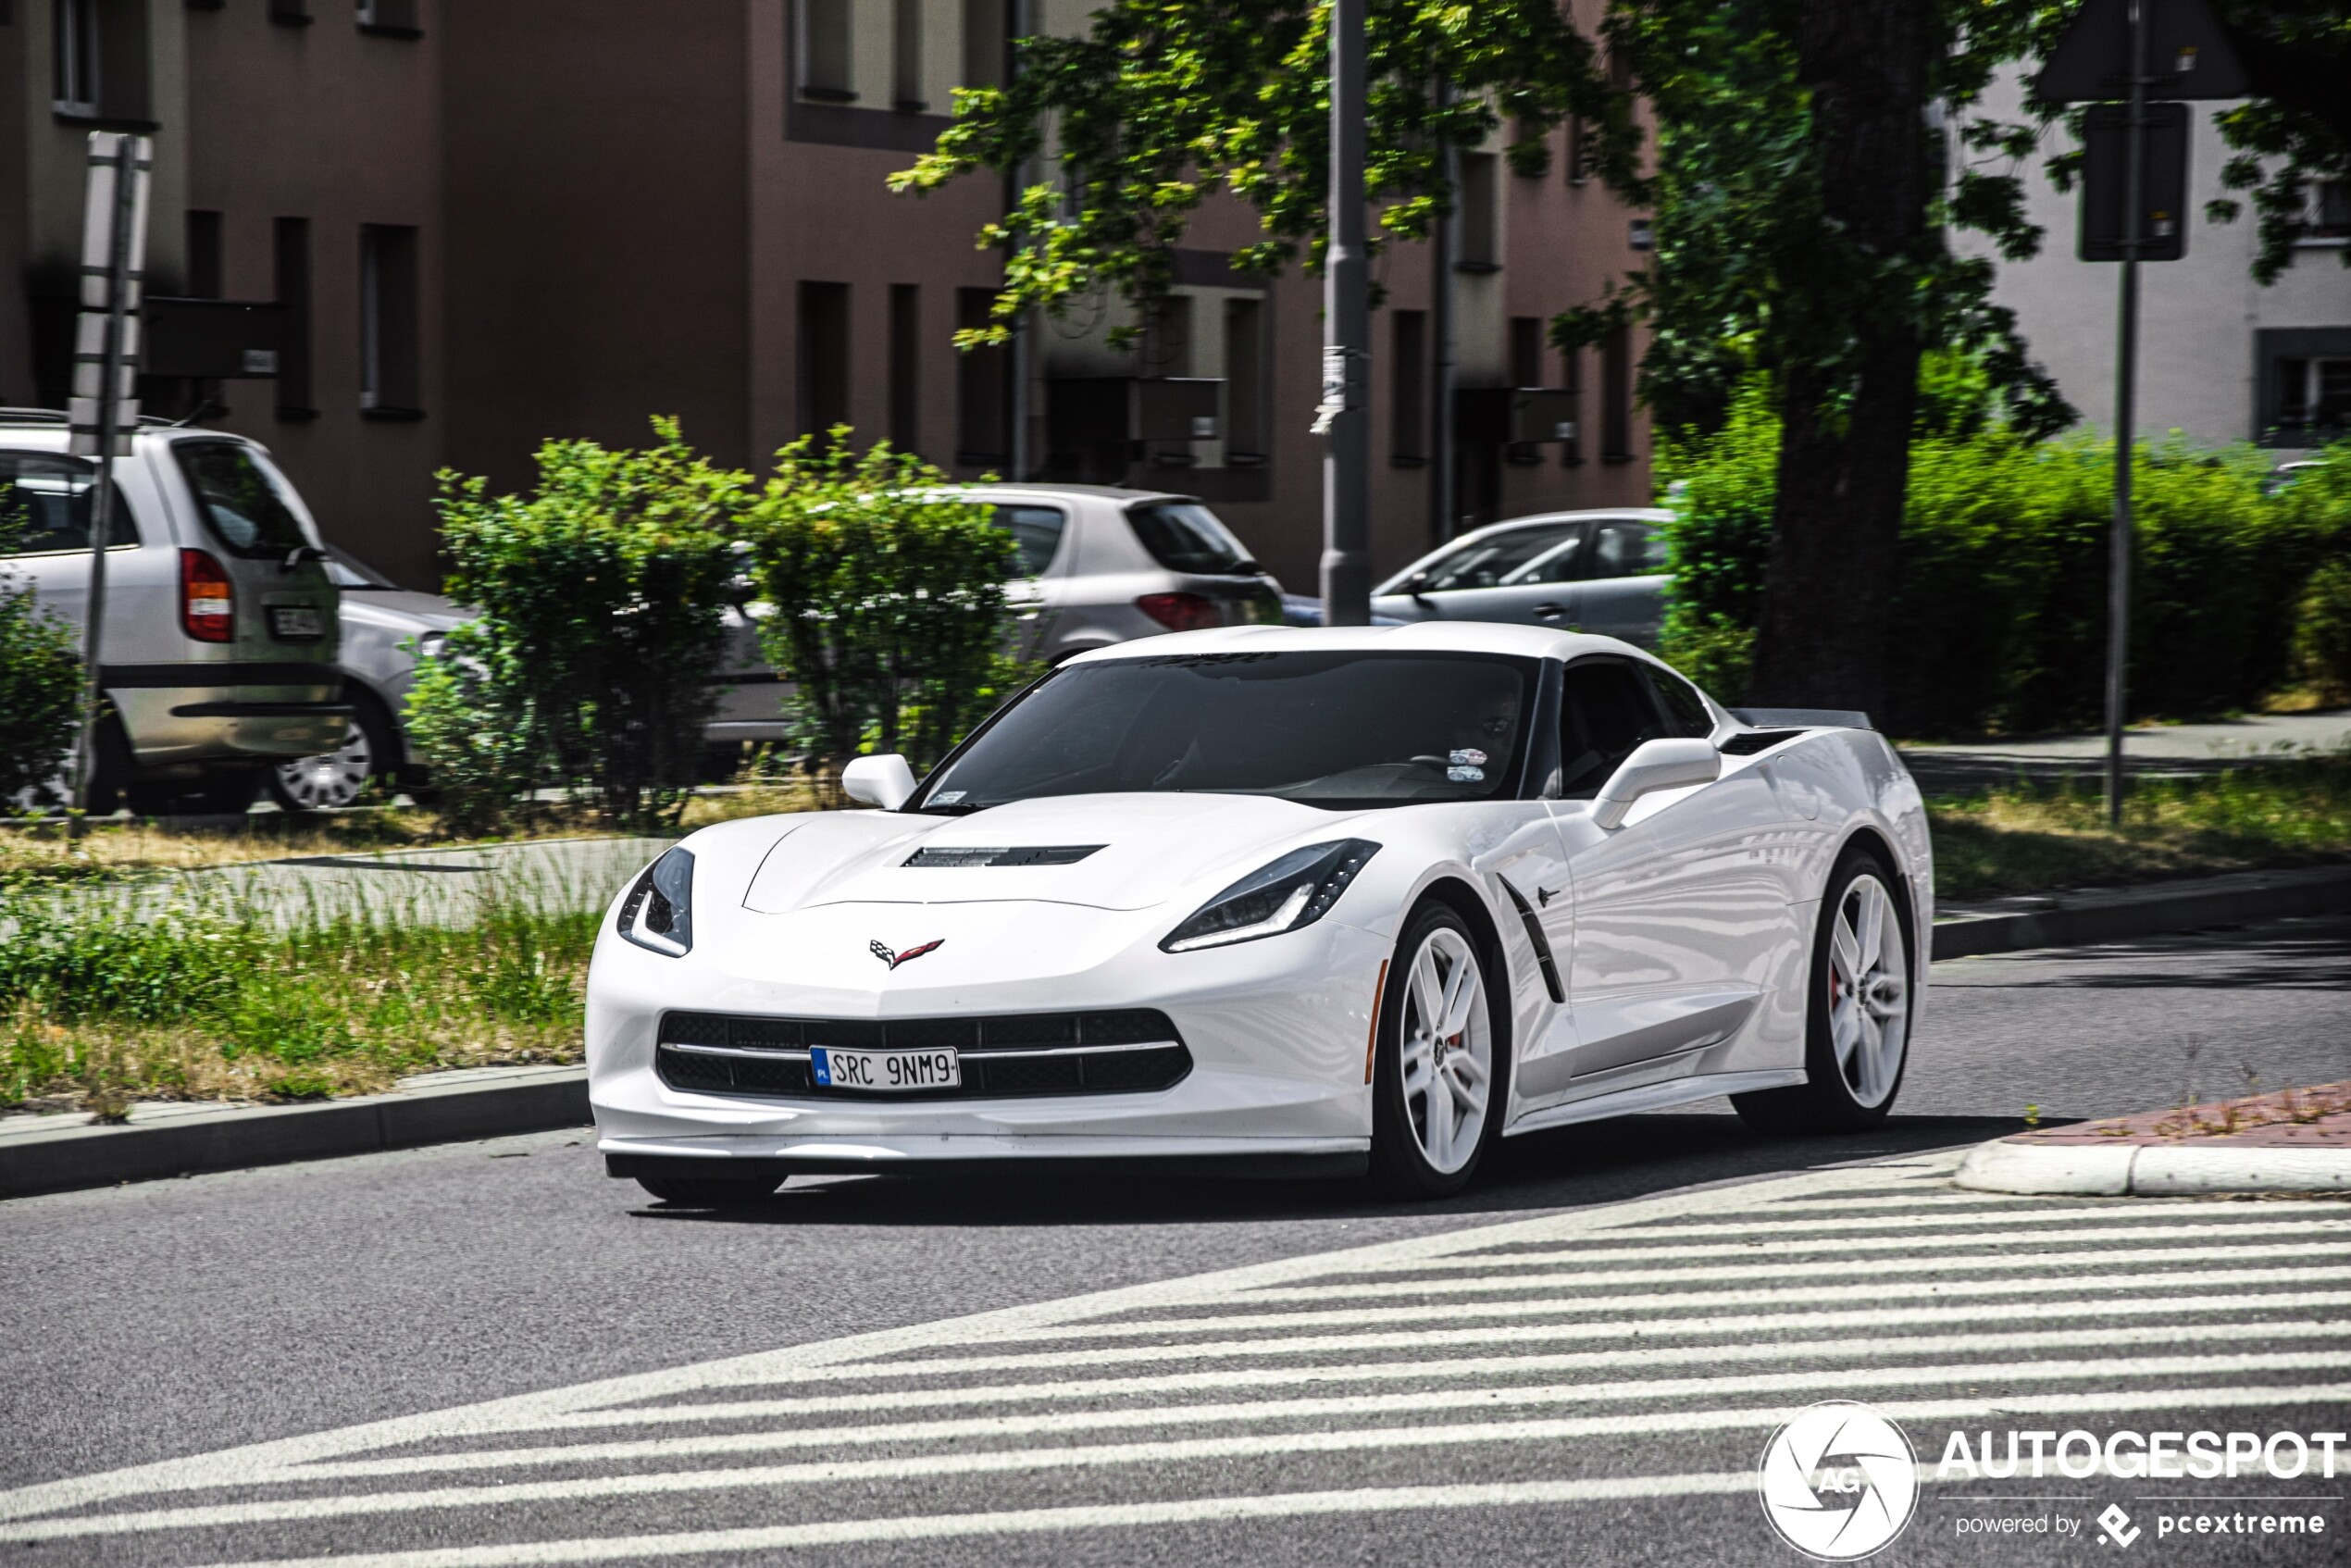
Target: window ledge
{"x": 828, "y": 94}
{"x": 1403, "y": 461}
{"x": 390, "y": 30}
{"x": 295, "y": 414}
{"x": 97, "y": 118}
{"x": 1477, "y": 267}
{"x": 2322, "y": 242}
{"x": 910, "y": 105}
{"x": 1620, "y": 457}
{"x": 393, "y": 416}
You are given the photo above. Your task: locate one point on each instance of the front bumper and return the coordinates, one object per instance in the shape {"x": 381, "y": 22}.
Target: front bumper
{"x": 1278, "y": 1031}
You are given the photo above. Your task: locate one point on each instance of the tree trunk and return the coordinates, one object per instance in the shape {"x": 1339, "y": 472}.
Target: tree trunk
{"x": 1845, "y": 447}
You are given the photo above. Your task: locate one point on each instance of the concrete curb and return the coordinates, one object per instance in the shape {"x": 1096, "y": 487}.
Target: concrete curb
{"x": 2151, "y": 1170}
{"x": 235, "y": 1138}
{"x": 2110, "y": 915}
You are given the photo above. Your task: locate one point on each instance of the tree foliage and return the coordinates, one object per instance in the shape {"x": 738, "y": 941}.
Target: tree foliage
{"x": 883, "y": 598}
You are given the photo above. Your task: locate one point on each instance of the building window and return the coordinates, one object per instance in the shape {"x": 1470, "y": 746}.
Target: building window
{"x": 1526, "y": 370}
{"x": 291, "y": 246}
{"x": 1616, "y": 396}
{"x": 906, "y": 56}
{"x": 1244, "y": 383}
{"x": 824, "y": 360}
{"x": 828, "y": 51}
{"x": 1571, "y": 377}
{"x": 2329, "y": 219}
{"x": 1579, "y": 151}
{"x": 290, "y": 13}
{"x": 2303, "y": 385}
{"x": 390, "y": 19}
{"x": 905, "y": 367}
{"x": 1481, "y": 217}
{"x": 98, "y": 59}
{"x": 74, "y": 38}
{"x": 203, "y": 280}
{"x": 983, "y": 438}
{"x": 389, "y": 338}
{"x": 984, "y": 42}
{"x": 1408, "y": 389}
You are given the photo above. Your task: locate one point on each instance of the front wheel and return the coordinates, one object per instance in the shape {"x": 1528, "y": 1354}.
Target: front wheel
{"x": 1857, "y": 1020}
{"x": 1441, "y": 1066}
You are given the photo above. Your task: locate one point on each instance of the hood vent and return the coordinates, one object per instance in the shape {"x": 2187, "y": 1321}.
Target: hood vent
{"x": 1033, "y": 854}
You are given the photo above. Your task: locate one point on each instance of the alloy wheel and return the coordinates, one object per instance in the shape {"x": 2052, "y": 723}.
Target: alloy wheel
{"x": 1447, "y": 1056}
{"x": 331, "y": 780}
{"x": 1869, "y": 991}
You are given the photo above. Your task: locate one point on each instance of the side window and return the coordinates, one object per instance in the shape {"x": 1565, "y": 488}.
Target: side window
{"x": 44, "y": 506}
{"x": 1683, "y": 705}
{"x": 1037, "y": 534}
{"x": 1490, "y": 561}
{"x": 1605, "y": 713}
{"x": 1561, "y": 563}
{"x": 1628, "y": 550}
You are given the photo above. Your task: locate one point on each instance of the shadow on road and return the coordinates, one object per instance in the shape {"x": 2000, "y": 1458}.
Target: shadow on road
{"x": 1598, "y": 1163}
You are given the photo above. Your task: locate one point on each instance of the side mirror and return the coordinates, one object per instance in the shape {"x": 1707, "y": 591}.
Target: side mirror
{"x": 884, "y": 781}
{"x": 1417, "y": 586}
{"x": 1654, "y": 766}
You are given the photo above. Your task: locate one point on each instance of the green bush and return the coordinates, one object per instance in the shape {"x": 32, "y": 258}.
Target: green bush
{"x": 2323, "y": 632}
{"x": 2001, "y": 598}
{"x": 40, "y": 690}
{"x": 888, "y": 600}
{"x": 592, "y": 666}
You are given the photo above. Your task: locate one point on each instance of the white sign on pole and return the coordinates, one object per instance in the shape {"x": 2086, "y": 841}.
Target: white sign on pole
{"x": 103, "y": 273}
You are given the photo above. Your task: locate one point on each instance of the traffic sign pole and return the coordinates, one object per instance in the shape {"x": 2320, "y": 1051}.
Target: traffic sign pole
{"x": 1344, "y": 421}
{"x": 2126, "y": 375}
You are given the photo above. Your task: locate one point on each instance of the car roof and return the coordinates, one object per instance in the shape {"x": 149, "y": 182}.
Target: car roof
{"x": 1459, "y": 637}
{"x": 1063, "y": 493}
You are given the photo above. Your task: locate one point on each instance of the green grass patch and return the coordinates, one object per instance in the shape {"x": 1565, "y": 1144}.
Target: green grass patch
{"x": 2029, "y": 836}
{"x": 104, "y": 1001}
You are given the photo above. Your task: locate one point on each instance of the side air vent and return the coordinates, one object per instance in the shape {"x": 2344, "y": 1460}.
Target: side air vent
{"x": 1032, "y": 854}
{"x": 1753, "y": 741}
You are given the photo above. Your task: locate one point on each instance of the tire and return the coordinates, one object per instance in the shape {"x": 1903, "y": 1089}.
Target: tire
{"x": 1856, "y": 1037}
{"x": 332, "y": 780}
{"x": 709, "y": 1192}
{"x": 1420, "y": 1070}
{"x": 227, "y": 792}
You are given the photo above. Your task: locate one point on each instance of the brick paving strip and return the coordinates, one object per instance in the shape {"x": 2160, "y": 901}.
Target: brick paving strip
{"x": 2292, "y": 1140}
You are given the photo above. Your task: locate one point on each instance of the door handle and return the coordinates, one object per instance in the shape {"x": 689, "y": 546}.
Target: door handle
{"x": 1551, "y": 611}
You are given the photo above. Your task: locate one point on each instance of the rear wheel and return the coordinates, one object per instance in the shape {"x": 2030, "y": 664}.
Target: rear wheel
{"x": 709, "y": 1192}
{"x": 335, "y": 779}
{"x": 1858, "y": 1010}
{"x": 1442, "y": 1065}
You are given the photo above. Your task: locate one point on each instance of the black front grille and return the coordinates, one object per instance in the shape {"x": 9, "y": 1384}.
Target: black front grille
{"x": 1057, "y": 1053}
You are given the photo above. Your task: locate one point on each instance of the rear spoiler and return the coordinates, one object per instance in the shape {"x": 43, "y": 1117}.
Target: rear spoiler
{"x": 1801, "y": 718}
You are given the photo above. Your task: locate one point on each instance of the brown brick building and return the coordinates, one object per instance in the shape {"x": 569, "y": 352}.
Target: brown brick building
{"x": 485, "y": 222}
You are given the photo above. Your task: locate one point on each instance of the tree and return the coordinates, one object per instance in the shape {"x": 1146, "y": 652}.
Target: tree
{"x": 2298, "y": 131}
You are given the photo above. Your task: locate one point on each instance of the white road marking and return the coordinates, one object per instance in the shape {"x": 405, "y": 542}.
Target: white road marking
{"x": 874, "y": 1396}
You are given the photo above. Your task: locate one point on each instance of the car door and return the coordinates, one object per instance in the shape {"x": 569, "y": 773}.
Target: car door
{"x": 1675, "y": 911}
{"x": 1037, "y": 594}
{"x": 1523, "y": 574}
{"x": 1623, "y": 589}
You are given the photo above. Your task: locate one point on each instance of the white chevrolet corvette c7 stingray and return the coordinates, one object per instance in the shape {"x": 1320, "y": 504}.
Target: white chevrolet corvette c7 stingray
{"x": 1290, "y": 899}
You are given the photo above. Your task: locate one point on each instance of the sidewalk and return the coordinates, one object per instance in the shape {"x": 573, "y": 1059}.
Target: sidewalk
{"x": 2295, "y": 1140}
{"x": 2160, "y": 749}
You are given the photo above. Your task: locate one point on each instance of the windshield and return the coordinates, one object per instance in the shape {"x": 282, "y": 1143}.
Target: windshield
{"x": 1184, "y": 536}
{"x": 1342, "y": 729}
{"x": 244, "y": 500}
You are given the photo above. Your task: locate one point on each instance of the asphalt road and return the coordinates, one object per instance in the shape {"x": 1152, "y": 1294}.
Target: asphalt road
{"x": 1017, "y": 1371}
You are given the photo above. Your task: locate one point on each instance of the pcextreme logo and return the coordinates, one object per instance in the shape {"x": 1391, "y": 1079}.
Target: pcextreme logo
{"x": 1839, "y": 1482}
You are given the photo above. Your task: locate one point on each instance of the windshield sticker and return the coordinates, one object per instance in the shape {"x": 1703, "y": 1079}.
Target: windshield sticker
{"x": 947, "y": 797}
{"x": 1465, "y": 776}
{"x": 1469, "y": 755}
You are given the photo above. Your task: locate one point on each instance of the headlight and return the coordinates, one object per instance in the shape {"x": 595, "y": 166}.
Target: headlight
{"x": 1296, "y": 890}
{"x": 660, "y": 910}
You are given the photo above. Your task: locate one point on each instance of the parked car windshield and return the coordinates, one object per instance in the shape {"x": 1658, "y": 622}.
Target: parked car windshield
{"x": 244, "y": 500}
{"x": 1338, "y": 729}
{"x": 45, "y": 505}
{"x": 1184, "y": 536}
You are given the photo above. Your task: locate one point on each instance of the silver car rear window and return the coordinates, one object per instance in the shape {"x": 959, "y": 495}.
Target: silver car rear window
{"x": 1184, "y": 536}
{"x": 243, "y": 501}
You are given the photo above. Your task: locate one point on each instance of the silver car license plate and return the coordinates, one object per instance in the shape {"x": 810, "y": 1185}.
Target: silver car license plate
{"x": 296, "y": 623}
{"x": 885, "y": 1069}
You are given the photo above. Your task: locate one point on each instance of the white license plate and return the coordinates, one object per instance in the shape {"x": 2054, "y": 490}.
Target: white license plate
{"x": 885, "y": 1069}
{"x": 296, "y": 623}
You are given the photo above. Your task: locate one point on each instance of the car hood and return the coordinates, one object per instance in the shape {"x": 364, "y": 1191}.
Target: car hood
{"x": 402, "y": 609}
{"x": 1140, "y": 850}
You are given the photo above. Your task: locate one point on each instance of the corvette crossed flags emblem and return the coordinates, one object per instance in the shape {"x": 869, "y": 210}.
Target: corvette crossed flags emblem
{"x": 881, "y": 949}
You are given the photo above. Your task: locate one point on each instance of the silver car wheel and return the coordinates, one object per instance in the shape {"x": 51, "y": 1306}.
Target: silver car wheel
{"x": 1447, "y": 1056}
{"x": 1869, "y": 984}
{"x": 331, "y": 780}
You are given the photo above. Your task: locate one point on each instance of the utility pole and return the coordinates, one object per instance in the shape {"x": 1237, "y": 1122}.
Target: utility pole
{"x": 2126, "y": 376}
{"x": 1444, "y": 340}
{"x": 1022, "y": 347}
{"x": 1344, "y": 419}
{"x": 101, "y": 409}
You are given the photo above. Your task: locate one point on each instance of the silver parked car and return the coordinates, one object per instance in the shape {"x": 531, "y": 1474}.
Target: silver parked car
{"x": 1601, "y": 571}
{"x": 220, "y": 624}
{"x": 1101, "y": 566}
{"x": 384, "y": 627}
